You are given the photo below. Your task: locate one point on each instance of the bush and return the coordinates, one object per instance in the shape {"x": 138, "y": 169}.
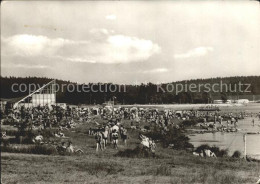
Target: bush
{"x": 47, "y": 133}
{"x": 176, "y": 137}
{"x": 222, "y": 153}
{"x": 45, "y": 150}
{"x": 36, "y": 149}
{"x": 25, "y": 138}
{"x": 173, "y": 136}
{"x": 188, "y": 123}
{"x": 202, "y": 147}
{"x": 200, "y": 120}
{"x": 11, "y": 132}
{"x": 218, "y": 152}
{"x": 155, "y": 134}
{"x": 236, "y": 154}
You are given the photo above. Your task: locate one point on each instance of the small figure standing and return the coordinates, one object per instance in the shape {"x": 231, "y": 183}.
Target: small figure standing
{"x": 115, "y": 138}
{"x": 124, "y": 135}
{"x": 99, "y": 138}
{"x": 152, "y": 147}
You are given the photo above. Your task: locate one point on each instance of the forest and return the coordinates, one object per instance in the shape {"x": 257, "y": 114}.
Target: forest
{"x": 166, "y": 93}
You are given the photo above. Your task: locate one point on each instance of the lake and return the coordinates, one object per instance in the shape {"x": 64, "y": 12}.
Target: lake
{"x": 233, "y": 141}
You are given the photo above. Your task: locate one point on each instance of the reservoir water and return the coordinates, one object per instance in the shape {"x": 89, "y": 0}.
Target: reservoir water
{"x": 234, "y": 140}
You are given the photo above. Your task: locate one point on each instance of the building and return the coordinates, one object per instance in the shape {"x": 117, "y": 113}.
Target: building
{"x": 3, "y": 103}
{"x": 8, "y": 103}
{"x": 108, "y": 103}
{"x": 45, "y": 95}
{"x": 242, "y": 101}
{"x": 222, "y": 102}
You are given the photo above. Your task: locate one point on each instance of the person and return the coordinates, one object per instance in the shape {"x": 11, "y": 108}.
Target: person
{"x": 105, "y": 136}
{"x": 115, "y": 138}
{"x": 115, "y": 127}
{"x": 152, "y": 147}
{"x": 70, "y": 148}
{"x": 253, "y": 122}
{"x": 63, "y": 147}
{"x": 121, "y": 130}
{"x": 98, "y": 138}
{"x": 124, "y": 135}
{"x": 110, "y": 132}
{"x": 220, "y": 120}
{"x": 227, "y": 123}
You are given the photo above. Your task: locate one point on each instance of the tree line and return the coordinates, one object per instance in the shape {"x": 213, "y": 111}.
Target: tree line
{"x": 140, "y": 94}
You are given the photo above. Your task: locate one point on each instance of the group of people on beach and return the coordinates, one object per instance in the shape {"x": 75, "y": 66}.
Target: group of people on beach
{"x": 46, "y": 116}
{"x": 111, "y": 132}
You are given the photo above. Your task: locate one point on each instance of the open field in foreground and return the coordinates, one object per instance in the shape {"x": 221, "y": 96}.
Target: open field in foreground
{"x": 177, "y": 167}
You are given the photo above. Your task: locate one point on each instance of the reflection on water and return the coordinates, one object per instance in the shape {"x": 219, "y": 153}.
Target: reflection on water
{"x": 233, "y": 141}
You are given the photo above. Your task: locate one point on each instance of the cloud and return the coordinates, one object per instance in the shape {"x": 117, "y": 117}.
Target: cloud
{"x": 101, "y": 31}
{"x": 106, "y": 48}
{"x": 112, "y": 49}
{"x": 197, "y": 52}
{"x": 31, "y": 45}
{"x": 111, "y": 17}
{"x": 25, "y": 66}
{"x": 125, "y": 49}
{"x": 157, "y": 70}
{"x": 76, "y": 59}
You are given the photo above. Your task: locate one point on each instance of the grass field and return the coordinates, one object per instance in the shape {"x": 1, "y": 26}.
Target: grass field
{"x": 175, "y": 167}
{"x": 171, "y": 166}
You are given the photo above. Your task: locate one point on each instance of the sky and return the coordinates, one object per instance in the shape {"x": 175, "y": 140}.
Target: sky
{"x": 130, "y": 42}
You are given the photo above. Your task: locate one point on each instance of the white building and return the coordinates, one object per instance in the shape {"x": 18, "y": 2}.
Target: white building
{"x": 221, "y": 102}
{"x": 242, "y": 101}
